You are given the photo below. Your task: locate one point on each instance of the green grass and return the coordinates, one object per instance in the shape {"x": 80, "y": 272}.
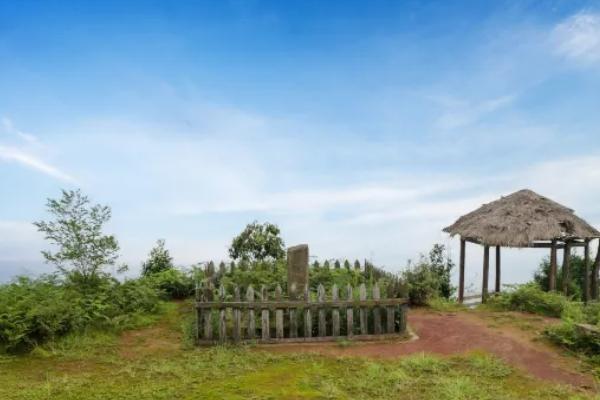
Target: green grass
{"x": 94, "y": 367}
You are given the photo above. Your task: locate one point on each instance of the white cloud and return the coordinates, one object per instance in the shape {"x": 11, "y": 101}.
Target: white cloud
{"x": 578, "y": 38}
{"x": 458, "y": 113}
{"x": 24, "y": 152}
{"x": 31, "y": 161}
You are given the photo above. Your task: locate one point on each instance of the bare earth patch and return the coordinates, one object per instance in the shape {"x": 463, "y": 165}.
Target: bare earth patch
{"x": 461, "y": 332}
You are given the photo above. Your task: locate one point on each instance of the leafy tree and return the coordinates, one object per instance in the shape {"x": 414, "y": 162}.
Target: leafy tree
{"x": 357, "y": 264}
{"x": 159, "y": 259}
{"x": 337, "y": 264}
{"x": 441, "y": 265}
{"x": 347, "y": 264}
{"x": 258, "y": 242}
{"x": 76, "y": 231}
{"x": 326, "y": 265}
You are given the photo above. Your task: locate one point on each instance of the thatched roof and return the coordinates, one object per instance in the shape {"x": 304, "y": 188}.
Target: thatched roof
{"x": 519, "y": 219}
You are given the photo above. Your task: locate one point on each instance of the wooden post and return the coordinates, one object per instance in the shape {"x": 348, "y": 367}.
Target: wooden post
{"x": 403, "y": 317}
{"x": 237, "y": 317}
{"x": 278, "y": 315}
{"x": 595, "y": 271}
{"x": 586, "y": 271}
{"x": 222, "y": 310}
{"x": 293, "y": 317}
{"x": 265, "y": 328}
{"x": 498, "y": 267}
{"x": 349, "y": 313}
{"x": 307, "y": 314}
{"x": 199, "y": 313}
{"x": 208, "y": 294}
{"x": 390, "y": 320}
{"x": 376, "y": 311}
{"x": 486, "y": 273}
{"x": 322, "y": 311}
{"x": 553, "y": 267}
{"x": 251, "y": 317}
{"x": 461, "y": 271}
{"x": 363, "y": 310}
{"x": 566, "y": 267}
{"x": 335, "y": 313}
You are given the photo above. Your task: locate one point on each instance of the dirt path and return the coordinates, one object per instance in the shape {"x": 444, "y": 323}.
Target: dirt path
{"x": 456, "y": 333}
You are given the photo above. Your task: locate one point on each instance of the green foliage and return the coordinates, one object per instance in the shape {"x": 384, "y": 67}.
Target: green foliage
{"x": 430, "y": 277}
{"x": 530, "y": 298}
{"x": 576, "y": 273}
{"x": 258, "y": 242}
{"x": 159, "y": 259}
{"x": 172, "y": 283}
{"x": 35, "y": 311}
{"x": 76, "y": 230}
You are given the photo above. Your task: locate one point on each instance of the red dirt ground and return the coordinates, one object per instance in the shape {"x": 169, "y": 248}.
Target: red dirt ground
{"x": 456, "y": 333}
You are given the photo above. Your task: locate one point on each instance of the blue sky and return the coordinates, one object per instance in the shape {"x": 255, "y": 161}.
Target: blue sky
{"x": 361, "y": 128}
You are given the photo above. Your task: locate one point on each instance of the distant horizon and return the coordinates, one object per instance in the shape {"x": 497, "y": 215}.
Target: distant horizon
{"x": 360, "y": 128}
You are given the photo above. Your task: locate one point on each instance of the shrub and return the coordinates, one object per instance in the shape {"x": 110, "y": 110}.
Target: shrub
{"x": 530, "y": 298}
{"x": 34, "y": 311}
{"x": 172, "y": 283}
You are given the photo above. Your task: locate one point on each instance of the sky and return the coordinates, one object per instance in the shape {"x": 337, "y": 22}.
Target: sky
{"x": 359, "y": 127}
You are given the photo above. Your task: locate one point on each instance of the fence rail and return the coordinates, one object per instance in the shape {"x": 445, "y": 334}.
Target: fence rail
{"x": 309, "y": 317}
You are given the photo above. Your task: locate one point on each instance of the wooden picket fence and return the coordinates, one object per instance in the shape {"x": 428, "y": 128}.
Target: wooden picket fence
{"x": 306, "y": 318}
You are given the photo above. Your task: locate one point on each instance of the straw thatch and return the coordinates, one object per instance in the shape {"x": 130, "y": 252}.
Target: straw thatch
{"x": 520, "y": 219}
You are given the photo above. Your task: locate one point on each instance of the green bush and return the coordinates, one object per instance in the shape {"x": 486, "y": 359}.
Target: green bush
{"x": 172, "y": 283}
{"x": 530, "y": 298}
{"x": 33, "y": 311}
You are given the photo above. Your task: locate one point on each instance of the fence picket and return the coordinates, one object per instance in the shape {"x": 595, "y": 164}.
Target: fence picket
{"x": 376, "y": 311}
{"x": 208, "y": 313}
{"x": 363, "y": 310}
{"x": 335, "y": 313}
{"x": 322, "y": 311}
{"x": 390, "y": 317}
{"x": 349, "y": 313}
{"x": 237, "y": 320}
{"x": 307, "y": 314}
{"x": 293, "y": 317}
{"x": 251, "y": 317}
{"x": 222, "y": 324}
{"x": 266, "y": 334}
{"x": 278, "y": 315}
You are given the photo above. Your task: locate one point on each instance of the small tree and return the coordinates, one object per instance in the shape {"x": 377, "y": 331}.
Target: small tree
{"x": 76, "y": 230}
{"x": 258, "y": 242}
{"x": 159, "y": 259}
{"x": 442, "y": 265}
{"x": 347, "y": 264}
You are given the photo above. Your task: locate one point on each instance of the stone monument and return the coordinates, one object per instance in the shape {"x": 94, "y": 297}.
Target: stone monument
{"x": 297, "y": 270}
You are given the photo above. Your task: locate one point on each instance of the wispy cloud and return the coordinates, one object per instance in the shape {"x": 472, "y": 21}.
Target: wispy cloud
{"x": 578, "y": 38}
{"x": 458, "y": 113}
{"x": 23, "y": 151}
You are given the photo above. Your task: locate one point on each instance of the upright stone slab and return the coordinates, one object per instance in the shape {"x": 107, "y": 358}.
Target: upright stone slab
{"x": 297, "y": 259}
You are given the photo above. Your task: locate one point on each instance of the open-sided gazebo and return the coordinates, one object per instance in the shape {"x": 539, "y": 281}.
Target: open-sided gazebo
{"x": 525, "y": 219}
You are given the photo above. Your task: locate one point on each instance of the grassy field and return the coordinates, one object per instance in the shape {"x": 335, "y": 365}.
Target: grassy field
{"x": 155, "y": 363}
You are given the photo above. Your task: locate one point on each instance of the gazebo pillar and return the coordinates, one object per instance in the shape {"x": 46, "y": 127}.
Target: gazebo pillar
{"x": 566, "y": 267}
{"x": 497, "y": 287}
{"x": 552, "y": 274}
{"x": 486, "y": 273}
{"x": 586, "y": 271}
{"x": 595, "y": 271}
{"x": 461, "y": 271}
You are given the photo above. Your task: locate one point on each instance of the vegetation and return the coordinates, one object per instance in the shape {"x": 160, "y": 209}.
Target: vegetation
{"x": 531, "y": 298}
{"x": 258, "y": 242}
{"x": 159, "y": 260}
{"x": 34, "y": 311}
{"x": 151, "y": 363}
{"x": 430, "y": 277}
{"x": 76, "y": 230}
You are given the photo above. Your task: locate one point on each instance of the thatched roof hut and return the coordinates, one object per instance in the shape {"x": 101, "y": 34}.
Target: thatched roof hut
{"x": 525, "y": 219}
{"x": 520, "y": 220}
